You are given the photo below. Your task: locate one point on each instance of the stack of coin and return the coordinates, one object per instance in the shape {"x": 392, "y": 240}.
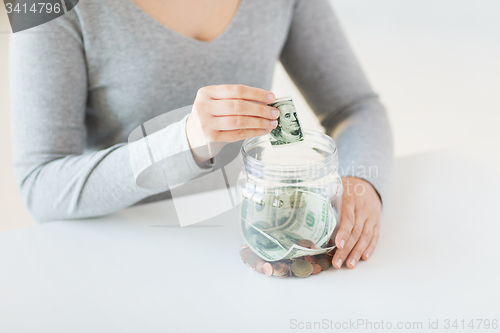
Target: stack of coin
{"x": 307, "y": 244}
{"x": 300, "y": 267}
{"x": 281, "y": 269}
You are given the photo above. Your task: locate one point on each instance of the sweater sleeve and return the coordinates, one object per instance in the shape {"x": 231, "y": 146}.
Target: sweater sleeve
{"x": 320, "y": 62}
{"x": 57, "y": 177}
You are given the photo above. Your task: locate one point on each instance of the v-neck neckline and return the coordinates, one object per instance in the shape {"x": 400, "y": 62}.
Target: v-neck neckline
{"x": 227, "y": 30}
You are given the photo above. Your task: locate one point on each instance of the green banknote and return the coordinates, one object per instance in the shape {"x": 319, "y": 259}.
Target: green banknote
{"x": 273, "y": 222}
{"x": 288, "y": 129}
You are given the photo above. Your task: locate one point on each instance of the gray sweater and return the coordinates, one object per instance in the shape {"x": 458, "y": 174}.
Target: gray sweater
{"x": 82, "y": 83}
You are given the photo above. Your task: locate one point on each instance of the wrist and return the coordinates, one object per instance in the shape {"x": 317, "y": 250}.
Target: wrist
{"x": 359, "y": 186}
{"x": 196, "y": 139}
{"x": 201, "y": 149}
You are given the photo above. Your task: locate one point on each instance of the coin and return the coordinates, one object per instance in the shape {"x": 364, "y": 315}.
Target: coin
{"x": 288, "y": 270}
{"x": 301, "y": 268}
{"x": 305, "y": 243}
{"x": 268, "y": 269}
{"x": 322, "y": 256}
{"x": 316, "y": 269}
{"x": 259, "y": 266}
{"x": 251, "y": 260}
{"x": 311, "y": 259}
{"x": 323, "y": 263}
{"x": 244, "y": 253}
{"x": 279, "y": 269}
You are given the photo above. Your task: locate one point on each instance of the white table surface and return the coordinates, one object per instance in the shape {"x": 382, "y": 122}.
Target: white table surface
{"x": 438, "y": 258}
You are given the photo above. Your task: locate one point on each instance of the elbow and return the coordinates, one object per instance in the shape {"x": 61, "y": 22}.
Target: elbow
{"x": 39, "y": 212}
{"x": 42, "y": 208}
{"x": 46, "y": 203}
{"x": 38, "y": 201}
{"x": 40, "y": 217}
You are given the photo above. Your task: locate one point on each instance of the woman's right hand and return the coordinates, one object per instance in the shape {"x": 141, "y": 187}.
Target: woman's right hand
{"x": 227, "y": 113}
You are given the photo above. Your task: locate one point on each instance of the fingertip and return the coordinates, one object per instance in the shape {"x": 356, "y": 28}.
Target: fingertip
{"x": 271, "y": 97}
{"x": 340, "y": 242}
{"x": 337, "y": 263}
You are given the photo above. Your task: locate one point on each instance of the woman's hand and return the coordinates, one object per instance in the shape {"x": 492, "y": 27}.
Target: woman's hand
{"x": 228, "y": 113}
{"x": 359, "y": 223}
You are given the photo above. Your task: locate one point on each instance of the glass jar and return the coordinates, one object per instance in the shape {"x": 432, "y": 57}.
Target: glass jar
{"x": 290, "y": 196}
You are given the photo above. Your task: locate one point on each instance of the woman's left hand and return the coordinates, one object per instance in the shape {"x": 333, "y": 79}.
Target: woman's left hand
{"x": 359, "y": 223}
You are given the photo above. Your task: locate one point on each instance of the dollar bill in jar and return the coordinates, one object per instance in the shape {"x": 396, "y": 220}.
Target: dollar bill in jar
{"x": 273, "y": 224}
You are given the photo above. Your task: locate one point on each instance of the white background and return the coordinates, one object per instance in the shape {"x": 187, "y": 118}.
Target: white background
{"x": 435, "y": 65}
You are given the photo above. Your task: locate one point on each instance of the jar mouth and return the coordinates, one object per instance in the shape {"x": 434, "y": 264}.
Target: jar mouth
{"x": 314, "y": 157}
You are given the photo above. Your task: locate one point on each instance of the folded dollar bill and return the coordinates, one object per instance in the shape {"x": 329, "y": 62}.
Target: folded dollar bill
{"x": 288, "y": 129}
{"x": 273, "y": 223}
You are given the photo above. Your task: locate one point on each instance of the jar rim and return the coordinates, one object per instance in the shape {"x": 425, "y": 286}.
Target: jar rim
{"x": 327, "y": 162}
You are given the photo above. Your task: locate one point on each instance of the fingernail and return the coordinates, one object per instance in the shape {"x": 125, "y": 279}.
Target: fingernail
{"x": 275, "y": 113}
{"x": 367, "y": 255}
{"x": 342, "y": 243}
{"x": 274, "y": 123}
{"x": 353, "y": 262}
{"x": 268, "y": 130}
{"x": 339, "y": 263}
{"x": 271, "y": 97}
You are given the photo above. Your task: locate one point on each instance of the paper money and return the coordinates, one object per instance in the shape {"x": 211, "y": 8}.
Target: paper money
{"x": 275, "y": 223}
{"x": 288, "y": 130}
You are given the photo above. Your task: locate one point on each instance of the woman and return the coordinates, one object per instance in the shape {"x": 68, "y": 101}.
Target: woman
{"x": 81, "y": 83}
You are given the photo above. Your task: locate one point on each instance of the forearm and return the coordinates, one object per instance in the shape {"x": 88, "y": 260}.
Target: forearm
{"x": 364, "y": 140}
{"x": 102, "y": 182}
{"x": 88, "y": 185}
